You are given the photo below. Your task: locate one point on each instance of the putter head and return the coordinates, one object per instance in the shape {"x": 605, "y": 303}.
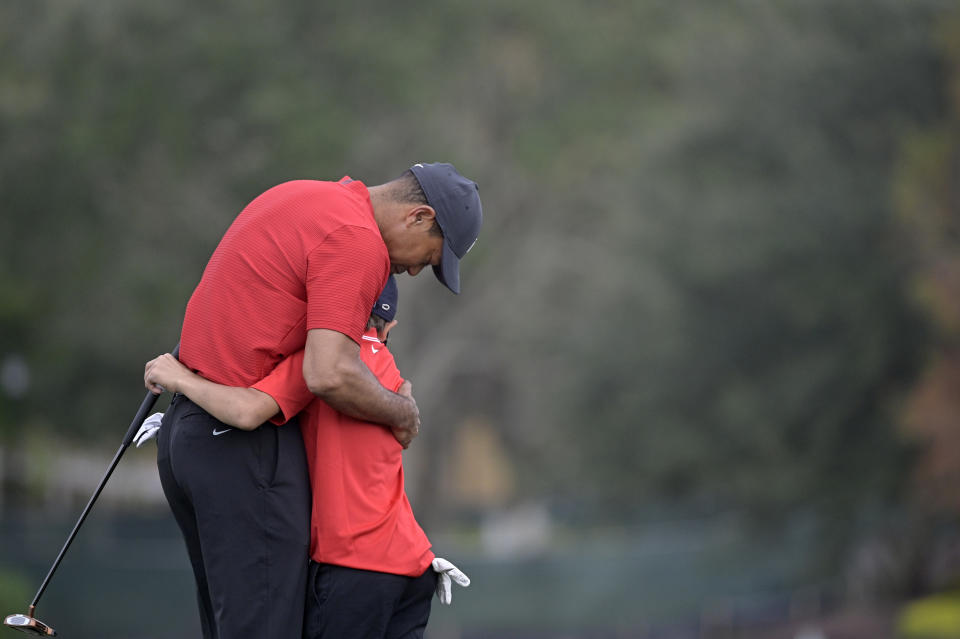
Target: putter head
{"x": 29, "y": 625}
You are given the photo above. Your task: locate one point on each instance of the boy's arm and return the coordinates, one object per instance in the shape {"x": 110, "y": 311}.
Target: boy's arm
{"x": 243, "y": 408}
{"x": 286, "y": 386}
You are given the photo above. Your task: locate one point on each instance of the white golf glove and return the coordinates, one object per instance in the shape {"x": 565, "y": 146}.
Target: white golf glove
{"x": 446, "y": 574}
{"x": 149, "y": 429}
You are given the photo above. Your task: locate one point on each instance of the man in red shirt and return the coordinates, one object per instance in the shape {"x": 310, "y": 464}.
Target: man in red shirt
{"x": 299, "y": 268}
{"x": 372, "y": 573}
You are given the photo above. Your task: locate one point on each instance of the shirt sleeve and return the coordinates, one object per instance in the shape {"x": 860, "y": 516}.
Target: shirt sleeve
{"x": 286, "y": 386}
{"x": 345, "y": 275}
{"x": 395, "y": 383}
{"x": 391, "y": 378}
{"x": 381, "y": 363}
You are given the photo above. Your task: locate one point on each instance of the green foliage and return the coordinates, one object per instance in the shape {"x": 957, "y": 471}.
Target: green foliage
{"x": 14, "y": 593}
{"x": 762, "y": 366}
{"x": 687, "y": 285}
{"x": 936, "y": 617}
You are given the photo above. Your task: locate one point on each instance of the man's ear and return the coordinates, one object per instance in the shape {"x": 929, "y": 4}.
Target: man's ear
{"x": 421, "y": 214}
{"x": 386, "y": 330}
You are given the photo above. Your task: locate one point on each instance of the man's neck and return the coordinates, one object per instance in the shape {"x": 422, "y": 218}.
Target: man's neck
{"x": 381, "y": 205}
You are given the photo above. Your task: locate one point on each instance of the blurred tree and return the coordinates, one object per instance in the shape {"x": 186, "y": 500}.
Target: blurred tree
{"x": 723, "y": 314}
{"x": 929, "y": 209}
{"x": 687, "y": 289}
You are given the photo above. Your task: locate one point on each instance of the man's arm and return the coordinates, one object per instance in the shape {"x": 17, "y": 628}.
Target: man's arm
{"x": 243, "y": 408}
{"x": 334, "y": 372}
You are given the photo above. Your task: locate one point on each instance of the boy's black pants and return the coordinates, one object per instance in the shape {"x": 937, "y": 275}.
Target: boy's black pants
{"x": 242, "y": 500}
{"x": 362, "y": 604}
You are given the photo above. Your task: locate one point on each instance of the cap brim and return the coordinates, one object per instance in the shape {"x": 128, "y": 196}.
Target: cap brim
{"x": 449, "y": 270}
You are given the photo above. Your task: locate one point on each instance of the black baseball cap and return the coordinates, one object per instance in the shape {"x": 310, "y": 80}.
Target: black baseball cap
{"x": 457, "y": 203}
{"x": 386, "y": 306}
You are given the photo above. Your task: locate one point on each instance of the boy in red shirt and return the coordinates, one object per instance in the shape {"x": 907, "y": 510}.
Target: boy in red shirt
{"x": 372, "y": 573}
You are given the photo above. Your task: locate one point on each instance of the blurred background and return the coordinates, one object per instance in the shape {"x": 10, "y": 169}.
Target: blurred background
{"x": 703, "y": 379}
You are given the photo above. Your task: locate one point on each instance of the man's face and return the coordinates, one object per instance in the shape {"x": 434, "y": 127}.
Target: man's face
{"x": 413, "y": 247}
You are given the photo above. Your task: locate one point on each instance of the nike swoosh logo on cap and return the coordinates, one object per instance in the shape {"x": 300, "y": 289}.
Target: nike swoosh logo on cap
{"x": 221, "y": 432}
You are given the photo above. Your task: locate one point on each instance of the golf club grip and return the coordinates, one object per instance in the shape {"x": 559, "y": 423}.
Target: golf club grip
{"x": 145, "y": 407}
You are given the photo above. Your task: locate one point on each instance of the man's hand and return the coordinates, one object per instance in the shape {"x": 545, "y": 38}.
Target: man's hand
{"x": 447, "y": 573}
{"x": 148, "y": 430}
{"x": 405, "y": 432}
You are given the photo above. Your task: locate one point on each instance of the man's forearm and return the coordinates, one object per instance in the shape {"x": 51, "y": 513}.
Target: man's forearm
{"x": 356, "y": 392}
{"x": 333, "y": 371}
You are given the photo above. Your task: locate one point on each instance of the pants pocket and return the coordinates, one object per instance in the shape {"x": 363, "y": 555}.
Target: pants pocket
{"x": 318, "y": 591}
{"x": 269, "y": 454}
{"x": 320, "y": 583}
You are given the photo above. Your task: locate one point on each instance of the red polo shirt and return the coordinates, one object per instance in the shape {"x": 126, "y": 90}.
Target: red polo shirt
{"x": 361, "y": 517}
{"x": 305, "y": 254}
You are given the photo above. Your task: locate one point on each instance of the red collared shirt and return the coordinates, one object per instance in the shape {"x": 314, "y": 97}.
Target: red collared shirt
{"x": 305, "y": 254}
{"x": 361, "y": 517}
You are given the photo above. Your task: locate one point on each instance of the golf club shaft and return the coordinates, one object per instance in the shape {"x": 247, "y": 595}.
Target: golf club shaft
{"x": 145, "y": 407}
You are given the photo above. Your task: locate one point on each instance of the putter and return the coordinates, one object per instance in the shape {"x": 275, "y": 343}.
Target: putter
{"x": 27, "y": 622}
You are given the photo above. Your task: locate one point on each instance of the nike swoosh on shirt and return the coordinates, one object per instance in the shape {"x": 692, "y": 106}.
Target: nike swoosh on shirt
{"x": 221, "y": 432}
{"x": 375, "y": 350}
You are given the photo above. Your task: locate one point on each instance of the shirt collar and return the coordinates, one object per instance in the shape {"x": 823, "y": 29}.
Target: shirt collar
{"x": 371, "y": 335}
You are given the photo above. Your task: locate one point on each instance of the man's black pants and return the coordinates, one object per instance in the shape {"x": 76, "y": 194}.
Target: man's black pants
{"x": 361, "y": 604}
{"x": 242, "y": 500}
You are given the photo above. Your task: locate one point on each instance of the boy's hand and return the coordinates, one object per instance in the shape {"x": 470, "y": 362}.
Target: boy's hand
{"x": 164, "y": 373}
{"x": 405, "y": 433}
{"x": 447, "y": 574}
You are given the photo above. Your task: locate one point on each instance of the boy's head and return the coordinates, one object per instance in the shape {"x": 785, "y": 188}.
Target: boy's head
{"x": 385, "y": 310}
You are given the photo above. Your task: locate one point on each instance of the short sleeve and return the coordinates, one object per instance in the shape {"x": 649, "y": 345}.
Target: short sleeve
{"x": 286, "y": 386}
{"x": 345, "y": 275}
{"x": 381, "y": 363}
{"x": 394, "y": 383}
